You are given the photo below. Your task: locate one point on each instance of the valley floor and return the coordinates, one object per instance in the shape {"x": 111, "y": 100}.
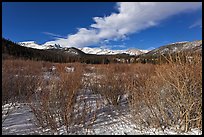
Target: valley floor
{"x": 100, "y": 106}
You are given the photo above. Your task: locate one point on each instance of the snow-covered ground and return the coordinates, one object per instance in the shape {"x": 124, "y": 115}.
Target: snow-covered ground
{"x": 109, "y": 120}
{"x": 21, "y": 122}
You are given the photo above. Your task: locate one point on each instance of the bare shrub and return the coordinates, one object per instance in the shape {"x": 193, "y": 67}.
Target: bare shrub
{"x": 111, "y": 86}
{"x": 120, "y": 79}
{"x": 135, "y": 88}
{"x": 108, "y": 83}
{"x": 172, "y": 97}
{"x": 54, "y": 102}
{"x": 19, "y": 79}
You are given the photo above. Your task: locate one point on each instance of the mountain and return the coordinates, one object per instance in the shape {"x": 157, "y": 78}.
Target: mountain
{"x": 87, "y": 50}
{"x": 170, "y": 48}
{"x": 68, "y": 51}
{"x": 177, "y": 47}
{"x": 100, "y": 51}
{"x": 51, "y": 53}
{"x": 56, "y": 53}
{"x": 53, "y": 47}
{"x": 12, "y": 50}
{"x": 187, "y": 49}
{"x": 33, "y": 44}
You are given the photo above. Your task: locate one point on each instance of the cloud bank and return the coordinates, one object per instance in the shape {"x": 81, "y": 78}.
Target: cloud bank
{"x": 132, "y": 17}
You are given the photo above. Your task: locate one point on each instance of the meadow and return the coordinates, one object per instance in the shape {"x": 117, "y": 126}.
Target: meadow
{"x": 76, "y": 98}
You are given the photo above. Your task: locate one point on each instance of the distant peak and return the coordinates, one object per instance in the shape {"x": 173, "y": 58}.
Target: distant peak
{"x": 103, "y": 51}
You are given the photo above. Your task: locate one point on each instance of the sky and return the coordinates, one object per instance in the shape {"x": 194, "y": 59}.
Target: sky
{"x": 110, "y": 25}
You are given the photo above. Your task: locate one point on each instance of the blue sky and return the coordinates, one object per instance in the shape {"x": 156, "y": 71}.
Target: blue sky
{"x": 115, "y": 26}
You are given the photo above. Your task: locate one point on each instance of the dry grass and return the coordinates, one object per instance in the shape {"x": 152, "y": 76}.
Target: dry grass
{"x": 172, "y": 97}
{"x": 53, "y": 105}
{"x": 19, "y": 79}
{"x": 161, "y": 96}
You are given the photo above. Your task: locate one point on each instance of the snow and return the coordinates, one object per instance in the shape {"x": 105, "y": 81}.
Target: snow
{"x": 88, "y": 50}
{"x": 179, "y": 42}
{"x": 69, "y": 69}
{"x": 71, "y": 51}
{"x": 100, "y": 51}
{"x": 164, "y": 50}
{"x": 53, "y": 68}
{"x": 145, "y": 51}
{"x": 32, "y": 44}
{"x": 21, "y": 122}
{"x": 109, "y": 120}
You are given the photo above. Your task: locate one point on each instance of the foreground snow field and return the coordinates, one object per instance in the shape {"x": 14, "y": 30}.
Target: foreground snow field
{"x": 21, "y": 122}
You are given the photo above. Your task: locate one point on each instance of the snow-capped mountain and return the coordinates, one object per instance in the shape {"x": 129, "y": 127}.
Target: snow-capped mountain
{"x": 100, "y": 51}
{"x": 170, "y": 48}
{"x": 33, "y": 44}
{"x": 87, "y": 50}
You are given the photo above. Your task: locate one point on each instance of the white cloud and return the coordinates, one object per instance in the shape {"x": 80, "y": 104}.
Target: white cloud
{"x": 112, "y": 46}
{"x": 131, "y": 18}
{"x": 53, "y": 35}
{"x": 197, "y": 23}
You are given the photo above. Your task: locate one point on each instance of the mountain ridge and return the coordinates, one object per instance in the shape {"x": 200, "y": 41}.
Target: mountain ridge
{"x": 177, "y": 47}
{"x": 87, "y": 50}
{"x": 168, "y": 48}
{"x": 55, "y": 53}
